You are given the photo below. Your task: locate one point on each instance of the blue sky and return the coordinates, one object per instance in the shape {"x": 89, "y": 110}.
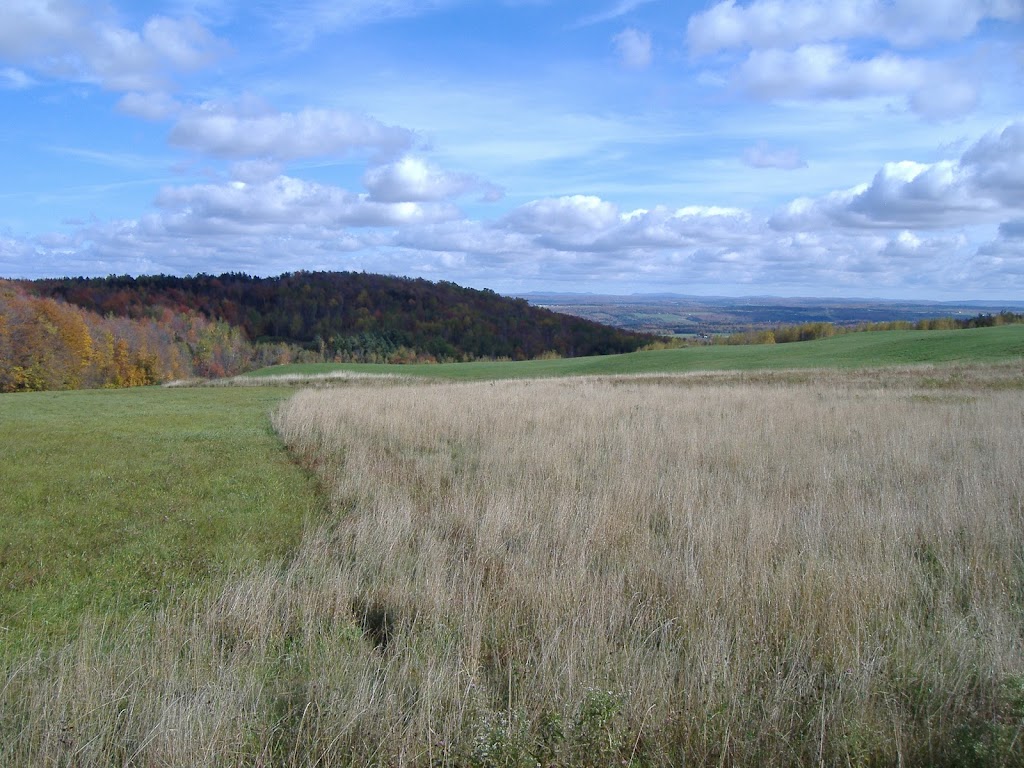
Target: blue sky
{"x": 785, "y": 147}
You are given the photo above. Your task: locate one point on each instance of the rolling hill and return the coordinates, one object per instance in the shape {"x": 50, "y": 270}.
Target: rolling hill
{"x": 352, "y": 316}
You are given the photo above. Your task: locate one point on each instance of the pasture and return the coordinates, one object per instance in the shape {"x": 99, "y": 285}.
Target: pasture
{"x": 113, "y": 499}
{"x": 854, "y": 350}
{"x": 757, "y": 567}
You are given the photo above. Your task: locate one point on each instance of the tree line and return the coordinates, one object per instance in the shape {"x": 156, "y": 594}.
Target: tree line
{"x": 48, "y": 344}
{"x": 124, "y": 331}
{"x": 360, "y": 317}
{"x": 784, "y": 334}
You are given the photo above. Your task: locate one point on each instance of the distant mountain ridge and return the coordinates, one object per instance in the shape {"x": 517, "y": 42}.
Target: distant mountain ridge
{"x": 355, "y": 316}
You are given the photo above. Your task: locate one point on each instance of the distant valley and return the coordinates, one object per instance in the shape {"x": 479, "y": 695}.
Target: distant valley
{"x": 696, "y": 315}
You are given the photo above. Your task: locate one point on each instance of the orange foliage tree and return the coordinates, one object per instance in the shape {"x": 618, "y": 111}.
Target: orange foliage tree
{"x": 46, "y": 344}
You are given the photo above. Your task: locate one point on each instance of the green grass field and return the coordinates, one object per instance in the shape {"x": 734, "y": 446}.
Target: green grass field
{"x": 854, "y": 350}
{"x": 114, "y": 498}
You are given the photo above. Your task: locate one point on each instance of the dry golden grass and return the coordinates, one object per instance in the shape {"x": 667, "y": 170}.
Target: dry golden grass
{"x": 738, "y": 570}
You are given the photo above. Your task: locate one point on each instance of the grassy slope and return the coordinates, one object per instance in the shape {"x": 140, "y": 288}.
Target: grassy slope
{"x": 113, "y": 498}
{"x": 855, "y": 350}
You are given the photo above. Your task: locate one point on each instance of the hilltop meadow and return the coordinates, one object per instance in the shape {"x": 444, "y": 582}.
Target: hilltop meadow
{"x": 807, "y": 553}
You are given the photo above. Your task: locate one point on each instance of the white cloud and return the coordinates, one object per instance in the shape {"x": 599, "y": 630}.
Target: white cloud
{"x": 413, "y": 179}
{"x": 14, "y": 79}
{"x": 245, "y": 129}
{"x": 818, "y": 49}
{"x": 466, "y": 238}
{"x": 761, "y": 155}
{"x": 286, "y": 204}
{"x": 15, "y": 254}
{"x": 68, "y": 40}
{"x": 185, "y": 43}
{"x": 585, "y": 223}
{"x": 286, "y": 223}
{"x": 1001, "y": 261}
{"x": 791, "y": 23}
{"x": 827, "y": 71}
{"x": 634, "y": 48}
{"x": 907, "y": 245}
{"x": 996, "y": 163}
{"x": 263, "y": 227}
{"x": 914, "y": 194}
{"x": 29, "y": 28}
{"x": 578, "y": 214}
{"x": 986, "y": 183}
{"x": 690, "y": 226}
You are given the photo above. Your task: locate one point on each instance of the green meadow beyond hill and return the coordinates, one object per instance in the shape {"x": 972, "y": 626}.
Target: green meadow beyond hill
{"x": 854, "y": 350}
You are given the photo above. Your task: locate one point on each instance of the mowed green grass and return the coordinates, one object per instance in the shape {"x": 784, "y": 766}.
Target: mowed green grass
{"x": 853, "y": 350}
{"x": 113, "y": 499}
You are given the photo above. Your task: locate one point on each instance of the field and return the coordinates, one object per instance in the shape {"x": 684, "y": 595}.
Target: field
{"x": 857, "y": 350}
{"x": 724, "y": 568}
{"x": 113, "y": 499}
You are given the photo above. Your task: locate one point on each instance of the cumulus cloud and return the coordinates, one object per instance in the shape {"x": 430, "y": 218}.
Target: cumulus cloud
{"x": 284, "y": 204}
{"x": 585, "y": 223}
{"x": 1001, "y": 261}
{"x": 467, "y": 239}
{"x": 263, "y": 227}
{"x": 791, "y": 23}
{"x": 246, "y": 129}
{"x": 689, "y": 226}
{"x": 915, "y": 194}
{"x": 64, "y": 39}
{"x": 286, "y": 223}
{"x": 29, "y": 28}
{"x": 908, "y": 245}
{"x": 761, "y": 155}
{"x": 827, "y": 71}
{"x": 583, "y": 214}
{"x": 634, "y": 48}
{"x": 996, "y": 163}
{"x": 986, "y": 183}
{"x": 798, "y": 49}
{"x": 15, "y": 254}
{"x": 413, "y": 179}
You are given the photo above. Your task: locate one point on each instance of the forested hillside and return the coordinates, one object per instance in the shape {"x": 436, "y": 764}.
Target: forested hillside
{"x": 47, "y": 344}
{"x": 122, "y": 331}
{"x": 358, "y": 317}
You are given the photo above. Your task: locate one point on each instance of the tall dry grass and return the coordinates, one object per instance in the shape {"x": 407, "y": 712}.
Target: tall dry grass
{"x": 595, "y": 572}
